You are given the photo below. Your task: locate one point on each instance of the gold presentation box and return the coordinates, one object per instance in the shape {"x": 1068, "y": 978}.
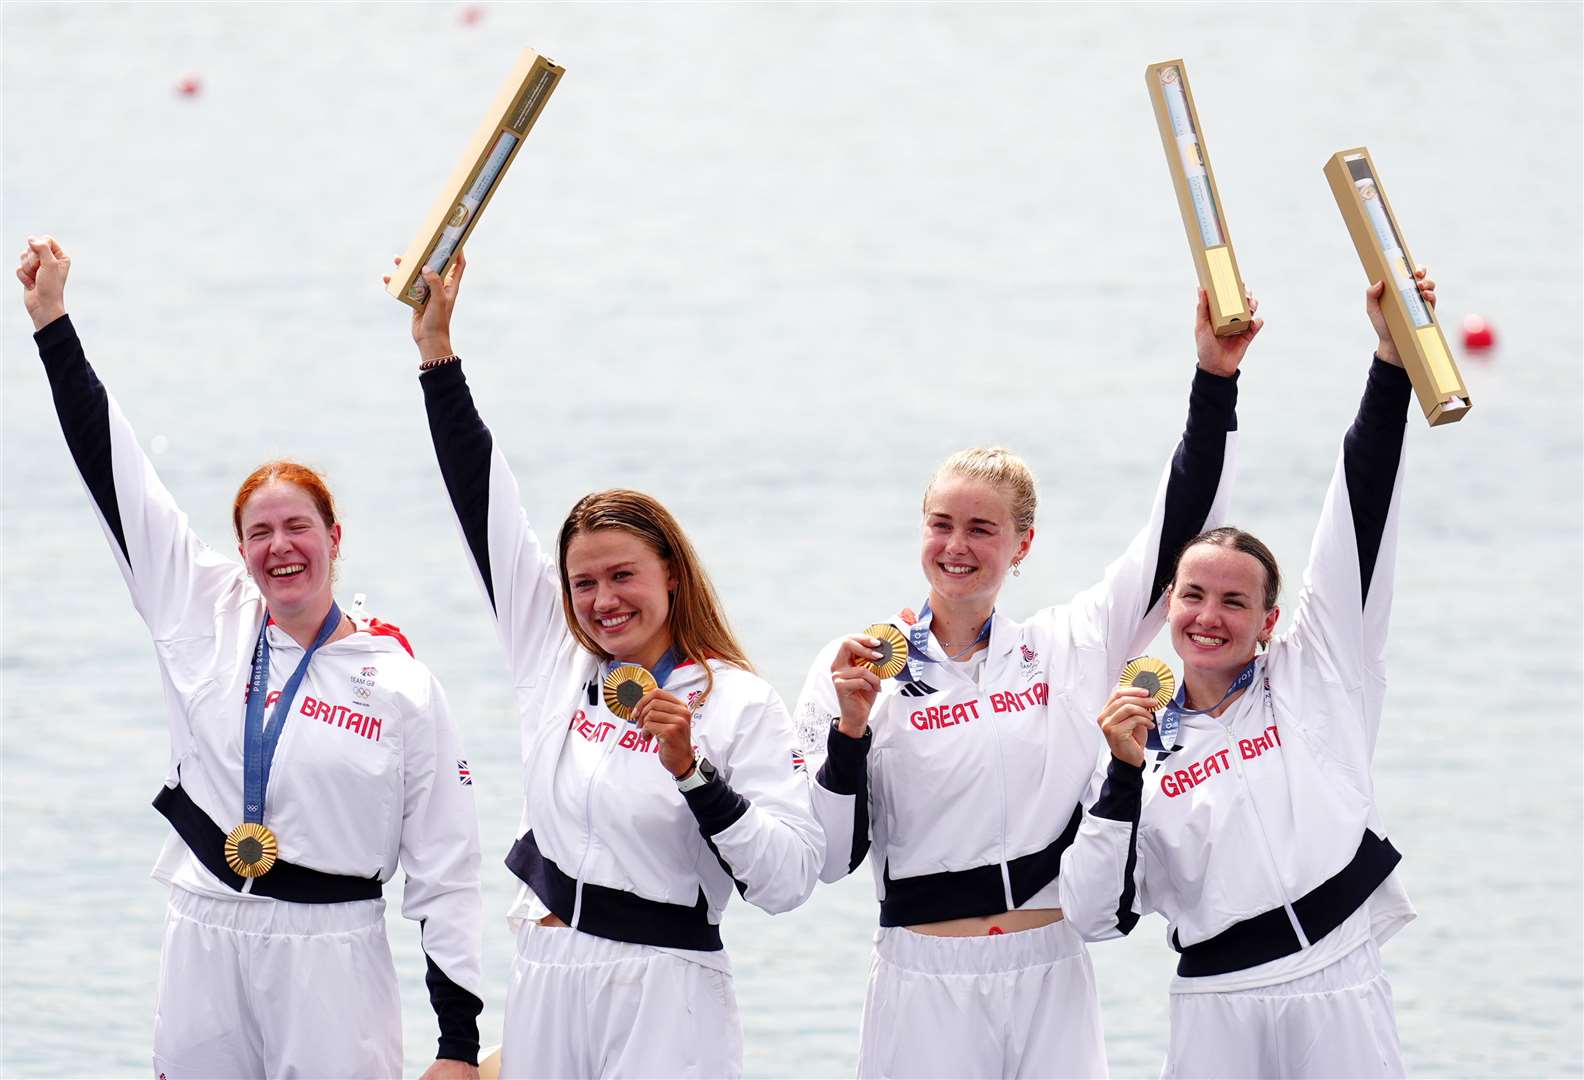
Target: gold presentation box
{"x": 510, "y": 118}
{"x": 1197, "y": 196}
{"x": 1410, "y": 321}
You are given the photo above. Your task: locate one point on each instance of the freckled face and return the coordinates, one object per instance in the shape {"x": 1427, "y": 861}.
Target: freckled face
{"x": 969, "y": 539}
{"x": 621, "y": 594}
{"x": 288, "y": 549}
{"x": 1216, "y": 609}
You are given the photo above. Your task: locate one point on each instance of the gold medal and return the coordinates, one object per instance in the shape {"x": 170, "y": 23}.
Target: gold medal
{"x": 893, "y": 651}
{"x": 625, "y": 686}
{"x": 251, "y": 849}
{"x": 1152, "y": 675}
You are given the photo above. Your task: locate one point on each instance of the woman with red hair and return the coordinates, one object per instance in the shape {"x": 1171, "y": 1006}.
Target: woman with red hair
{"x": 311, "y": 755}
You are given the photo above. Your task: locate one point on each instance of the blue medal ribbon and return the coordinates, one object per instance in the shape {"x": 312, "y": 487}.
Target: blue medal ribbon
{"x": 918, "y": 642}
{"x": 666, "y": 665}
{"x": 662, "y": 670}
{"x": 259, "y": 742}
{"x": 1164, "y": 737}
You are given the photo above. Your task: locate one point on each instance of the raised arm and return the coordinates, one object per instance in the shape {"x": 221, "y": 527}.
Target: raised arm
{"x": 518, "y": 576}
{"x": 440, "y": 857}
{"x": 1345, "y": 606}
{"x": 175, "y": 580}
{"x": 1123, "y": 610}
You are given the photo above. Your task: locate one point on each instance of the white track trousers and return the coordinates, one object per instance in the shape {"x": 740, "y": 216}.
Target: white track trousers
{"x": 586, "y": 1006}
{"x": 1020, "y": 1004}
{"x": 250, "y": 989}
{"x": 1337, "y": 1022}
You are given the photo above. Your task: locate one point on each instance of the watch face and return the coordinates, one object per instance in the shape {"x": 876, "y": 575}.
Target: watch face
{"x": 706, "y": 770}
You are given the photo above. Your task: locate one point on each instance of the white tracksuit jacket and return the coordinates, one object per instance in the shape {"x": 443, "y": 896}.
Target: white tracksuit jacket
{"x": 969, "y": 792}
{"x": 607, "y": 842}
{"x": 1259, "y": 834}
{"x": 369, "y": 773}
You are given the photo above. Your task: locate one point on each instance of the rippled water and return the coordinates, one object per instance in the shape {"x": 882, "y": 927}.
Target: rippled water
{"x": 770, "y": 264}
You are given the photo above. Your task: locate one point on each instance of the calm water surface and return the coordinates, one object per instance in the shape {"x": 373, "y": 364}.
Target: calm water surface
{"x": 771, "y": 264}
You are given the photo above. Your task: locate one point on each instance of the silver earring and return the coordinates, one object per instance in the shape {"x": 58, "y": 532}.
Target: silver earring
{"x": 1016, "y": 572}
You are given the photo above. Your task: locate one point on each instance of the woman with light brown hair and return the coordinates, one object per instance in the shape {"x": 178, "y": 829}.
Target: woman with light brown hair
{"x": 658, "y": 769}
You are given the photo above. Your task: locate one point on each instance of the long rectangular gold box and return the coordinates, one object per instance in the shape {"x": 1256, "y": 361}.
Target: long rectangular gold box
{"x": 1410, "y": 321}
{"x": 1197, "y": 196}
{"x": 510, "y": 118}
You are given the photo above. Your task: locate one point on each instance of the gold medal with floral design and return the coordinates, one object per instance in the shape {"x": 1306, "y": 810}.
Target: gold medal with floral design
{"x": 251, "y": 849}
{"x": 893, "y": 651}
{"x": 625, "y": 686}
{"x": 1152, "y": 675}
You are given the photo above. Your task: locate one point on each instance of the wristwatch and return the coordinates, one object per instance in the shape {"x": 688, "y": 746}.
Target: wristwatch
{"x": 703, "y": 772}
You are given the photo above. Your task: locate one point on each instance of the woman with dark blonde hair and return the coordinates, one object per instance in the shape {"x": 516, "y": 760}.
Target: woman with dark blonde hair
{"x": 658, "y": 769}
{"x": 311, "y": 756}
{"x": 955, "y": 745}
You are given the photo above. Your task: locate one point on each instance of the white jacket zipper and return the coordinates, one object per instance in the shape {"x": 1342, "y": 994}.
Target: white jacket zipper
{"x": 588, "y": 826}
{"x": 1270, "y": 855}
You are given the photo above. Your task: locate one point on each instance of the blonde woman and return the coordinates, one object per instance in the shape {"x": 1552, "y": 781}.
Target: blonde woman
{"x": 635, "y": 830}
{"x": 960, "y": 776}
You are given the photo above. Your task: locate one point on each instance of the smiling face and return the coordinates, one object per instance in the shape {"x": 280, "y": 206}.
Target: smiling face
{"x": 620, "y": 589}
{"x": 969, "y": 540}
{"x": 1216, "y": 610}
{"x": 288, "y": 548}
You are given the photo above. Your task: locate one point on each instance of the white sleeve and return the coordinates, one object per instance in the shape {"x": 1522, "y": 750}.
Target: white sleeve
{"x": 755, "y": 816}
{"x": 1123, "y": 611}
{"x": 1344, "y": 609}
{"x": 176, "y": 581}
{"x": 440, "y": 857}
{"x": 1102, "y": 871}
{"x": 838, "y": 769}
{"x": 518, "y": 576}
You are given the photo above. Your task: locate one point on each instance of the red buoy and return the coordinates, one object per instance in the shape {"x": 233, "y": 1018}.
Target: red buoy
{"x": 189, "y": 86}
{"x": 1477, "y": 334}
{"x": 472, "y": 14}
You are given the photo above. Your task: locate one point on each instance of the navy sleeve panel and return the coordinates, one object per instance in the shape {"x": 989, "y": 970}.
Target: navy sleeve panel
{"x": 846, "y": 772}
{"x": 846, "y": 767}
{"x": 458, "y": 1012}
{"x": 84, "y": 411}
{"x": 1120, "y": 800}
{"x": 1122, "y": 793}
{"x": 462, "y": 446}
{"x": 1371, "y": 455}
{"x": 1196, "y": 469}
{"x": 716, "y": 806}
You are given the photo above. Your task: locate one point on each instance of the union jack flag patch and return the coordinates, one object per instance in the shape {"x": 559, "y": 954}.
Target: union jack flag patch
{"x": 798, "y": 763}
{"x": 464, "y": 774}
